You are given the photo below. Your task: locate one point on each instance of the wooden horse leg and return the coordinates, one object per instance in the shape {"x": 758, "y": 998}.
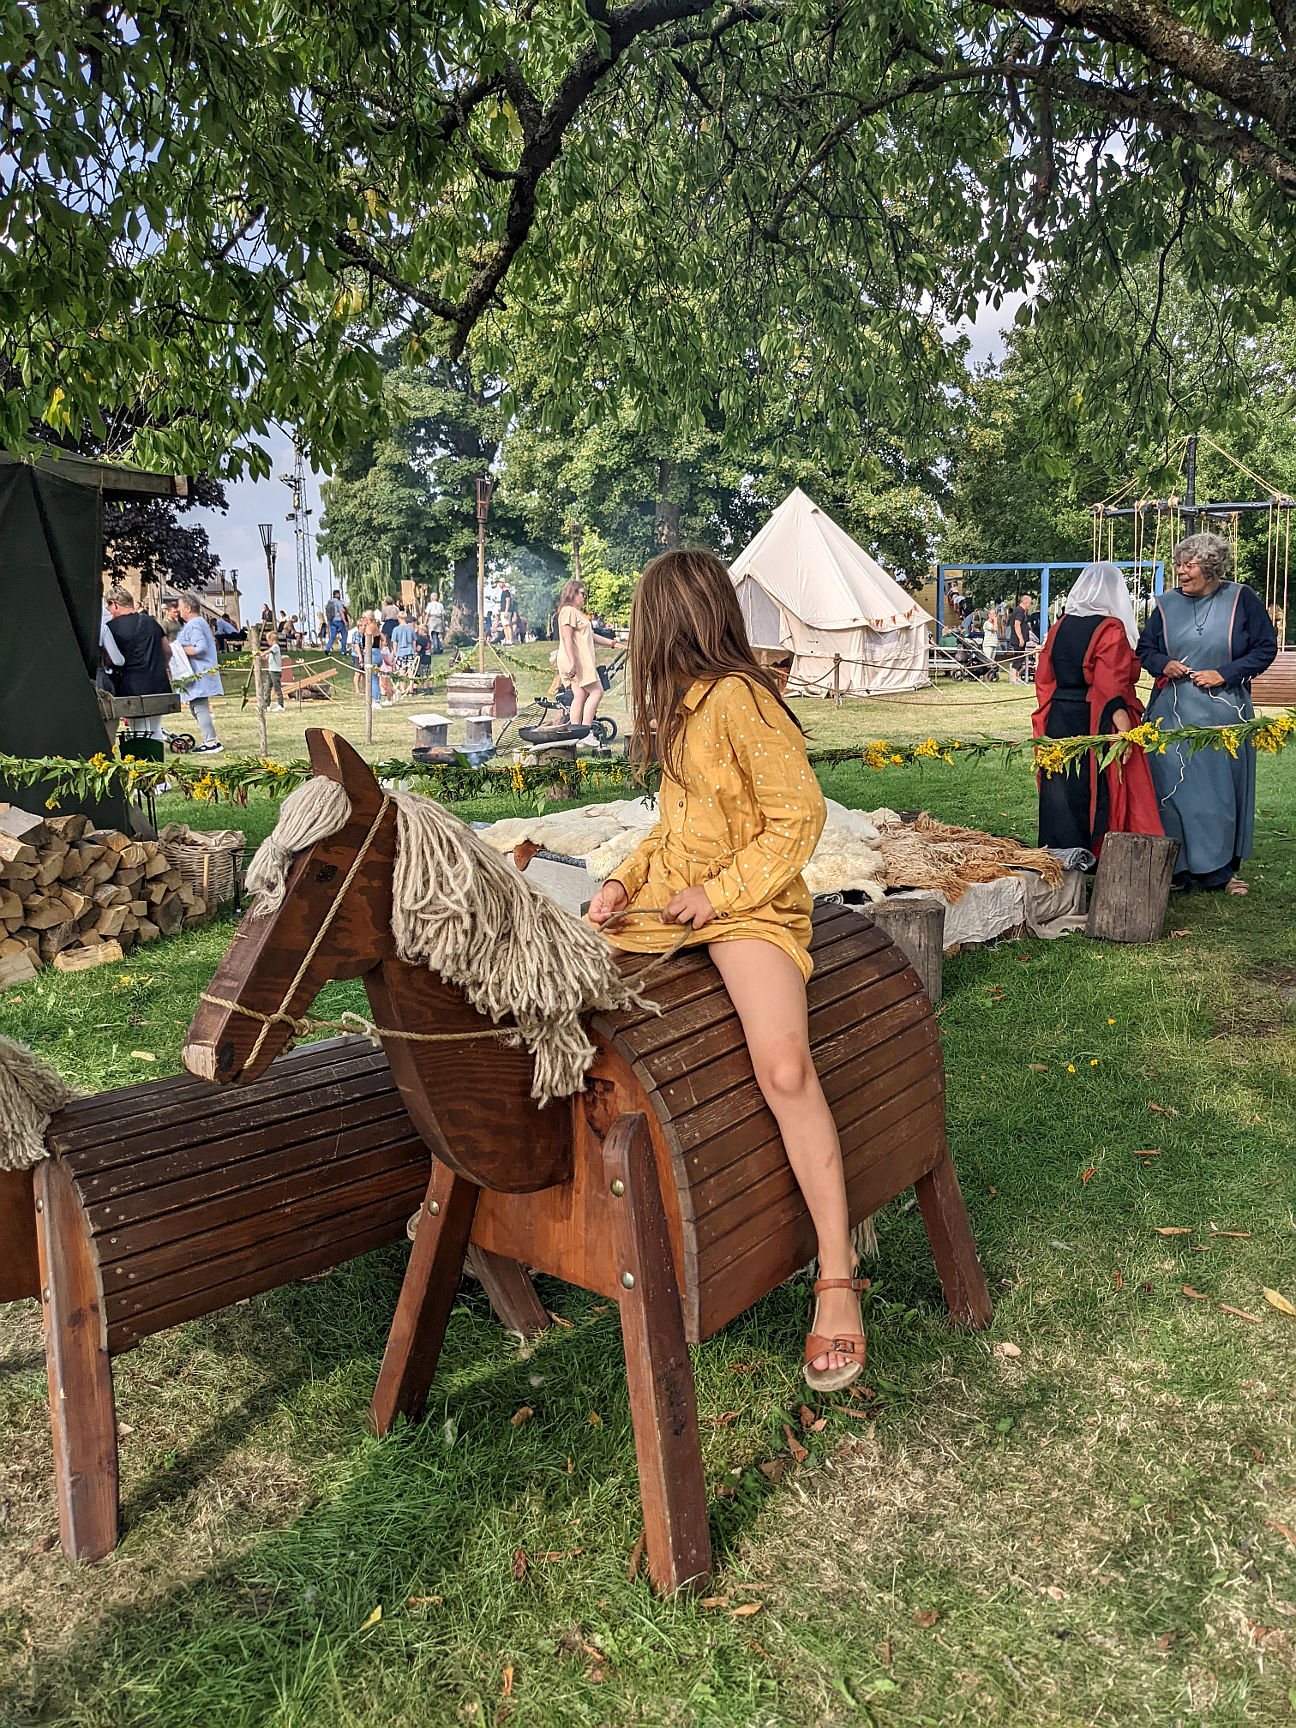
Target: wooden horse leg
{"x": 663, "y": 1400}
{"x": 80, "y": 1371}
{"x": 953, "y": 1248}
{"x": 511, "y": 1293}
{"x": 427, "y": 1295}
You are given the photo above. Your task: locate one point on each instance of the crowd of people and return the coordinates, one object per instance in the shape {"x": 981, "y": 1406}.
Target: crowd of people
{"x": 1202, "y": 644}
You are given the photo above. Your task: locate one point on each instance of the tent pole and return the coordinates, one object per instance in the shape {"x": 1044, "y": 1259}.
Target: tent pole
{"x": 836, "y": 680}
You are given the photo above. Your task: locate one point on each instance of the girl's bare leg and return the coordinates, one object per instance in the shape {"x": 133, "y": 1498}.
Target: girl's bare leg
{"x": 768, "y": 992}
{"x": 585, "y": 701}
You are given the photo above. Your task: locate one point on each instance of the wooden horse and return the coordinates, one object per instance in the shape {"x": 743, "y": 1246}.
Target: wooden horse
{"x": 663, "y": 1185}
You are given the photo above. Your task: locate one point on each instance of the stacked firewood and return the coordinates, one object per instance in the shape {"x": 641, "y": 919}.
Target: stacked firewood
{"x": 75, "y": 895}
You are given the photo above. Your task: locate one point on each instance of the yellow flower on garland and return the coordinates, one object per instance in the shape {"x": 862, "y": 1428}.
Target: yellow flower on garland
{"x": 1050, "y": 758}
{"x": 928, "y": 747}
{"x": 878, "y": 754}
{"x": 1229, "y": 739}
{"x": 207, "y": 789}
{"x": 1147, "y": 735}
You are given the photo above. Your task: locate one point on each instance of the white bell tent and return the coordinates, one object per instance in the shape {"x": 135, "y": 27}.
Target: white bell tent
{"x": 804, "y": 584}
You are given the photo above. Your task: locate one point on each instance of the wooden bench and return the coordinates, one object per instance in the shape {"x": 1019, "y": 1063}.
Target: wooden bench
{"x": 1276, "y": 688}
{"x": 170, "y": 1200}
{"x": 301, "y": 681}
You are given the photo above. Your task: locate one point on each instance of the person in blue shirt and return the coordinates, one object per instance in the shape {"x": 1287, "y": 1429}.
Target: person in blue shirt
{"x": 1203, "y": 643}
{"x": 337, "y": 621}
{"x": 197, "y": 642}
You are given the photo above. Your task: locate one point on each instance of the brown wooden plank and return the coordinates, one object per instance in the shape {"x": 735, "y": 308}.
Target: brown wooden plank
{"x": 726, "y": 1167}
{"x": 79, "y": 1370}
{"x": 768, "y": 1263}
{"x": 687, "y": 1019}
{"x": 19, "y": 1260}
{"x": 238, "y": 1213}
{"x": 178, "y": 1179}
{"x": 748, "y": 1199}
{"x": 663, "y": 1399}
{"x": 216, "y": 1282}
{"x": 856, "y": 982}
{"x": 373, "y": 1231}
{"x": 714, "y": 1114}
{"x": 427, "y": 1293}
{"x": 510, "y": 1292}
{"x": 291, "y": 1071}
{"x": 953, "y": 1246}
{"x": 200, "y": 1146}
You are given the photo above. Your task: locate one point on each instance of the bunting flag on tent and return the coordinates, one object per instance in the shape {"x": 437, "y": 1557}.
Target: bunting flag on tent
{"x": 804, "y": 584}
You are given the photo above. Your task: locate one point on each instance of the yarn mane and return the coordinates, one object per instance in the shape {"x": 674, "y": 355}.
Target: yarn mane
{"x": 466, "y": 913}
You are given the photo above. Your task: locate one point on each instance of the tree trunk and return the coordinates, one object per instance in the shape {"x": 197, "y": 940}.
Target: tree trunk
{"x": 463, "y": 608}
{"x": 666, "y": 515}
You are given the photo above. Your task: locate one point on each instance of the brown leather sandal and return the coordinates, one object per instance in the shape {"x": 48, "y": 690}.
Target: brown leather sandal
{"x": 851, "y": 1344}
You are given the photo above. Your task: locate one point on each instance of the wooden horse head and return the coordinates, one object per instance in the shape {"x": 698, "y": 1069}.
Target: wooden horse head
{"x": 468, "y": 1094}
{"x": 262, "y": 974}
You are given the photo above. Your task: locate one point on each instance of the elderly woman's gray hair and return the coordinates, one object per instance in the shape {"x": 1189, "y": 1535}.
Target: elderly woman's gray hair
{"x": 1214, "y": 555}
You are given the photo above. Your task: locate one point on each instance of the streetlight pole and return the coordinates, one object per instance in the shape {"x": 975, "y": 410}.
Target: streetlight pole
{"x": 266, "y": 531}
{"x": 484, "y": 489}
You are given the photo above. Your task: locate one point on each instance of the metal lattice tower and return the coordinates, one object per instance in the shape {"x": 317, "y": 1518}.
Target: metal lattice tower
{"x": 300, "y": 516}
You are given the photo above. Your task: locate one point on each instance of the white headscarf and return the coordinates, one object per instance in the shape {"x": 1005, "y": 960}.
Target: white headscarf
{"x": 1100, "y": 592}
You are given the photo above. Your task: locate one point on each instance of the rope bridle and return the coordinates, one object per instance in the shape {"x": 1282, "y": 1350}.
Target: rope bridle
{"x": 298, "y": 1025}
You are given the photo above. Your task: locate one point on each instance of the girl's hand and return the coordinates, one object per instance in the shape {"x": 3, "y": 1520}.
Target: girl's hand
{"x": 690, "y": 906}
{"x": 1209, "y": 680}
{"x": 610, "y": 899}
{"x": 1174, "y": 669}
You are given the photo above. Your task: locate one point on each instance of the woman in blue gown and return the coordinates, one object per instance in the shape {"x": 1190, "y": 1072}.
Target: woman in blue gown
{"x": 1203, "y": 643}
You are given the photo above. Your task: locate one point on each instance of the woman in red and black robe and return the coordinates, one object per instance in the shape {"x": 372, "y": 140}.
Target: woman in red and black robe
{"x": 1085, "y": 683}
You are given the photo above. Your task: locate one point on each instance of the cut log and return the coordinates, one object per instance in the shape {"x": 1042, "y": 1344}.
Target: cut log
{"x": 917, "y": 927}
{"x": 68, "y": 828}
{"x": 17, "y": 968}
{"x": 77, "y": 904}
{"x": 111, "y": 895}
{"x": 169, "y": 915}
{"x": 101, "y": 870}
{"x": 111, "y": 920}
{"x": 156, "y": 865}
{"x": 156, "y": 892}
{"x": 44, "y": 912}
{"x": 9, "y": 946}
{"x": 25, "y": 825}
{"x": 112, "y": 839}
{"x": 1131, "y": 888}
{"x": 16, "y": 851}
{"x": 147, "y": 931}
{"x": 133, "y": 854}
{"x": 139, "y": 908}
{"x": 10, "y": 905}
{"x": 129, "y": 875}
{"x": 173, "y": 877}
{"x": 55, "y": 940}
{"x": 49, "y": 867}
{"x": 84, "y": 959}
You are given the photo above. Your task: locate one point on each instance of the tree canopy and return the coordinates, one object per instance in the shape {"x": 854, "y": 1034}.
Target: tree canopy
{"x": 772, "y": 211}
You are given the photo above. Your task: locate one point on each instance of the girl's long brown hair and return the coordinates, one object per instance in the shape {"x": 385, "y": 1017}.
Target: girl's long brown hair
{"x": 685, "y": 624}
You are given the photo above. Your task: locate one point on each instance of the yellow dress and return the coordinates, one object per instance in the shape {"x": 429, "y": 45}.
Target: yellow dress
{"x": 743, "y": 823}
{"x": 580, "y": 672}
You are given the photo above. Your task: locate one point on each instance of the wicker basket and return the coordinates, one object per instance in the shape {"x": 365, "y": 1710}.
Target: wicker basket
{"x": 205, "y": 859}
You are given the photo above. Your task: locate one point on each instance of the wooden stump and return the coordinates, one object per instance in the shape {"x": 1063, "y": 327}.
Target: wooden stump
{"x": 1132, "y": 888}
{"x": 917, "y": 927}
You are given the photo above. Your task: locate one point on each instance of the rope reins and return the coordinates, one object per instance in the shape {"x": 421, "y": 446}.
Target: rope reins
{"x": 299, "y": 1025}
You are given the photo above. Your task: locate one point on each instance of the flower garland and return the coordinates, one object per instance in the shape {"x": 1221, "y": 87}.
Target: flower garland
{"x": 238, "y": 777}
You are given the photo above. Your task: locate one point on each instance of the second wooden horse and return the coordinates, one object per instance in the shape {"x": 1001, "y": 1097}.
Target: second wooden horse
{"x": 663, "y": 1185}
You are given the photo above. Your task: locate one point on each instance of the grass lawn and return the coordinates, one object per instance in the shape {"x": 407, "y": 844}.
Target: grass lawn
{"x": 1087, "y": 1515}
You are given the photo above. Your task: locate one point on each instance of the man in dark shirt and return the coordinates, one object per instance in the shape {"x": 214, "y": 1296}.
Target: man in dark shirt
{"x": 143, "y": 647}
{"x": 1019, "y": 630}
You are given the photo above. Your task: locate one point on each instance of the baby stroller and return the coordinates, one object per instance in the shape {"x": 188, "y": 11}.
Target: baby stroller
{"x": 601, "y": 730}
{"x": 974, "y": 664}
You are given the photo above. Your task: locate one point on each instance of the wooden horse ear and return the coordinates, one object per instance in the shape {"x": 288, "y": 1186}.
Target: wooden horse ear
{"x": 333, "y": 759}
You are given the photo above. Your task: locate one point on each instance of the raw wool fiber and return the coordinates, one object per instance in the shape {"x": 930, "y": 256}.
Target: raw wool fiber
{"x": 926, "y": 853}
{"x": 30, "y": 1093}
{"x": 463, "y": 911}
{"x": 577, "y": 833}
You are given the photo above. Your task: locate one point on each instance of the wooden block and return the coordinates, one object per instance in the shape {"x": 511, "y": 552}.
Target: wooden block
{"x": 133, "y": 854}
{"x": 20, "y": 824}
{"x": 89, "y": 852}
{"x": 10, "y": 905}
{"x": 16, "y": 851}
{"x": 150, "y": 850}
{"x": 173, "y": 877}
{"x": 157, "y": 892}
{"x": 49, "y": 868}
{"x": 156, "y": 865}
{"x": 68, "y": 828}
{"x": 84, "y": 959}
{"x": 129, "y": 876}
{"x": 17, "y": 969}
{"x": 111, "y": 895}
{"x": 31, "y": 938}
{"x": 77, "y": 904}
{"x": 186, "y": 893}
{"x": 169, "y": 915}
{"x": 139, "y": 908}
{"x": 1131, "y": 888}
{"x": 114, "y": 841}
{"x": 148, "y": 931}
{"x": 111, "y": 920}
{"x": 45, "y": 913}
{"x": 100, "y": 871}
{"x": 14, "y": 873}
{"x": 71, "y": 865}
{"x": 9, "y": 946}
{"x": 917, "y": 927}
{"x": 55, "y": 940}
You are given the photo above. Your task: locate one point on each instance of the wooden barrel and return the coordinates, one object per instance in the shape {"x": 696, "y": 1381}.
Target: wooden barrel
{"x": 194, "y": 1197}
{"x": 737, "y": 1221}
